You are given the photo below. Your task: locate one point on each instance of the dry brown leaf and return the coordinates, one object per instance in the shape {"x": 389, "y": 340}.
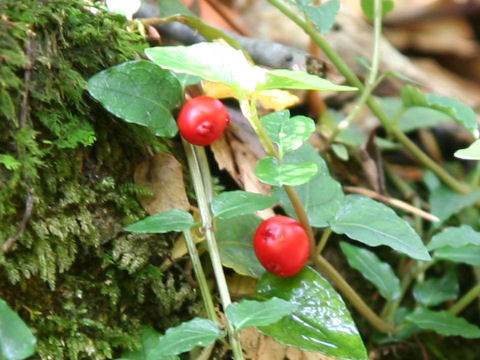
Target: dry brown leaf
{"x": 163, "y": 175}
{"x": 261, "y": 347}
{"x": 240, "y": 285}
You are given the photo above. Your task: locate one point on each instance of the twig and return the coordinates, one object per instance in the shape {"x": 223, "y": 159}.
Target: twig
{"x": 23, "y": 118}
{"x": 391, "y": 201}
{"x": 219, "y": 8}
{"x": 7, "y": 245}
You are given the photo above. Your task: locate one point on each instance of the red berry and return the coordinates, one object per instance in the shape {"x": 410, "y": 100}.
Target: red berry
{"x": 281, "y": 245}
{"x": 203, "y": 120}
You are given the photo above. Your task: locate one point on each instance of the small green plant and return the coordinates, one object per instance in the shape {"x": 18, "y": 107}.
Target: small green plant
{"x": 306, "y": 304}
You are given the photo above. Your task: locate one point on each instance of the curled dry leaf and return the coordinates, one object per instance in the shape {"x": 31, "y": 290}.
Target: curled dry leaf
{"x": 163, "y": 175}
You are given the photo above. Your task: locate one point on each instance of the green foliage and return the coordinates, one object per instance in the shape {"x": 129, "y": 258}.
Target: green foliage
{"x": 16, "y": 339}
{"x": 321, "y": 322}
{"x": 81, "y": 283}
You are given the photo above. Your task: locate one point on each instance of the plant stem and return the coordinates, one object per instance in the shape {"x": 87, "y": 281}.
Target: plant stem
{"x": 371, "y": 82}
{"x": 416, "y": 269}
{"x": 249, "y": 110}
{"x": 465, "y": 300}
{"x": 200, "y": 276}
{"x": 347, "y": 291}
{"x": 323, "y": 240}
{"x": 352, "y": 79}
{"x": 207, "y": 225}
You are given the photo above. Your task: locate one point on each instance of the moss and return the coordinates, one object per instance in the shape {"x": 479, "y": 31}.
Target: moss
{"x": 82, "y": 283}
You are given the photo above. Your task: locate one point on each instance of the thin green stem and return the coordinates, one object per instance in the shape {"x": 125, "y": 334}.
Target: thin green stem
{"x": 207, "y": 225}
{"x": 200, "y": 276}
{"x": 301, "y": 215}
{"x": 249, "y": 110}
{"x": 347, "y": 291}
{"x": 352, "y": 79}
{"x": 323, "y": 241}
{"x": 418, "y": 268}
{"x": 465, "y": 300}
{"x": 370, "y": 83}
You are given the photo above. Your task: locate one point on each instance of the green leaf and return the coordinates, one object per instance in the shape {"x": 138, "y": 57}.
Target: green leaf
{"x": 379, "y": 273}
{"x": 16, "y": 340}
{"x": 374, "y": 224}
{"x": 340, "y": 151}
{"x": 458, "y": 111}
{"x": 322, "y": 16}
{"x": 185, "y": 337}
{"x": 434, "y": 291}
{"x": 172, "y": 220}
{"x": 235, "y": 243}
{"x": 470, "y": 153}
{"x": 445, "y": 202}
{"x": 368, "y": 8}
{"x": 443, "y": 323}
{"x": 288, "y": 133}
{"x": 469, "y": 254}
{"x": 271, "y": 172}
{"x": 9, "y": 162}
{"x": 301, "y": 80}
{"x": 139, "y": 92}
{"x": 353, "y": 135}
{"x": 321, "y": 322}
{"x": 234, "y": 203}
{"x": 414, "y": 117}
{"x": 258, "y": 313}
{"x": 321, "y": 197}
{"x": 210, "y": 61}
{"x": 455, "y": 237}
{"x": 150, "y": 339}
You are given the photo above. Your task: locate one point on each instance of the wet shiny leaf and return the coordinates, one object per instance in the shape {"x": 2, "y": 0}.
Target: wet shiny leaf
{"x": 321, "y": 323}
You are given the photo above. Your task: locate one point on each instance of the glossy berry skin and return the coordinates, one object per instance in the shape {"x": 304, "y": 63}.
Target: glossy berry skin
{"x": 281, "y": 245}
{"x": 203, "y": 120}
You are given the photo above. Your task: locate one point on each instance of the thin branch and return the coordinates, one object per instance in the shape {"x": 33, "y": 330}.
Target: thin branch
{"x": 7, "y": 245}
{"x": 393, "y": 202}
{"x": 220, "y": 9}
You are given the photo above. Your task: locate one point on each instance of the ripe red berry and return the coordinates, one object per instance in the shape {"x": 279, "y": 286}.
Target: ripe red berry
{"x": 203, "y": 120}
{"x": 281, "y": 245}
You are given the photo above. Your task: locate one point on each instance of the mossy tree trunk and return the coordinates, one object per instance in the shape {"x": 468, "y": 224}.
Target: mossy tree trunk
{"x": 79, "y": 281}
